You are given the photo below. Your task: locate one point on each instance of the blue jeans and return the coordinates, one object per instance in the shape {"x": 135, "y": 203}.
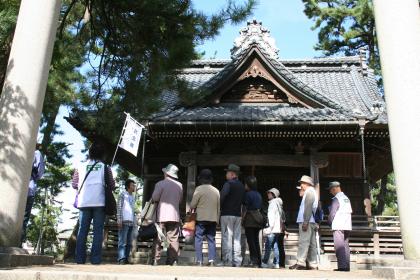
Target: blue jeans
{"x": 124, "y": 242}
{"x": 272, "y": 241}
{"x": 231, "y": 233}
{"x": 28, "y": 208}
{"x": 207, "y": 229}
{"x": 86, "y": 215}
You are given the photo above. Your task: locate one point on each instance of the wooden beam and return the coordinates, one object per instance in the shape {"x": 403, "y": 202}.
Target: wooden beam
{"x": 254, "y": 160}
{"x": 189, "y": 158}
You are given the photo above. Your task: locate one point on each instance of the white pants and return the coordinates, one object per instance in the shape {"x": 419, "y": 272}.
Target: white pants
{"x": 231, "y": 234}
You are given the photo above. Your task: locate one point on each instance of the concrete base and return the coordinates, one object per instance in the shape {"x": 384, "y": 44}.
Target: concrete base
{"x": 14, "y": 260}
{"x": 13, "y": 251}
{"x": 147, "y": 272}
{"x": 403, "y": 270}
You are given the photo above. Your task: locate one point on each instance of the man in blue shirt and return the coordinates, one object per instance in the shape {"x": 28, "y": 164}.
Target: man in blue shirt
{"x": 38, "y": 169}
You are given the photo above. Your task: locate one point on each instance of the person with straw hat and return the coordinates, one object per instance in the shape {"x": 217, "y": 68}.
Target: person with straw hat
{"x": 168, "y": 193}
{"x": 307, "y": 250}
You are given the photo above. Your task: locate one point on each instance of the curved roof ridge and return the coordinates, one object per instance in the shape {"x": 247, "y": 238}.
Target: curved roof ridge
{"x": 304, "y": 87}
{"x": 361, "y": 87}
{"x": 354, "y": 59}
{"x": 289, "y": 76}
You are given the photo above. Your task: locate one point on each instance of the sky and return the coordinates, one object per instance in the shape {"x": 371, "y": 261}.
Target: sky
{"x": 288, "y": 26}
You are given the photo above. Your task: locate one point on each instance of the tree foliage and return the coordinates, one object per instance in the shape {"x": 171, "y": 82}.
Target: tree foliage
{"x": 345, "y": 26}
{"x": 384, "y": 196}
{"x": 8, "y": 14}
{"x": 135, "y": 48}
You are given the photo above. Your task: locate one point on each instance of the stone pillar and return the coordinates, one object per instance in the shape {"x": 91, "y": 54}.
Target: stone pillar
{"x": 20, "y": 109}
{"x": 398, "y": 29}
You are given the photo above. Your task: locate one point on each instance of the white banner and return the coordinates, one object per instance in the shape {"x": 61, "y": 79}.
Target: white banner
{"x": 130, "y": 138}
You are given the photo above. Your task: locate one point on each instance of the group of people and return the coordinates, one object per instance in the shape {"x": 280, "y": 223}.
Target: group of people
{"x": 237, "y": 206}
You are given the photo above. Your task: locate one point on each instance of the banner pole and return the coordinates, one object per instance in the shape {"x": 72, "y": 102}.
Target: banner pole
{"x": 119, "y": 140}
{"x": 142, "y": 161}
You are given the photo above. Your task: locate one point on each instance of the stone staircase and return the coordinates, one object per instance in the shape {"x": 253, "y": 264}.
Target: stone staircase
{"x": 143, "y": 254}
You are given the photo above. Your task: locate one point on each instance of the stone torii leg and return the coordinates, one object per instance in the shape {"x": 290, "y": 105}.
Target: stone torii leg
{"x": 398, "y": 28}
{"x": 21, "y": 103}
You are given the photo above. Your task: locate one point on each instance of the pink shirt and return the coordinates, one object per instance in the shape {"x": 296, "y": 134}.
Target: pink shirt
{"x": 168, "y": 193}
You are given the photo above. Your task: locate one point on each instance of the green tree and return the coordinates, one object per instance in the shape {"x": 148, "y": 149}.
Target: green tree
{"x": 8, "y": 14}
{"x": 345, "y": 27}
{"x": 384, "y": 196}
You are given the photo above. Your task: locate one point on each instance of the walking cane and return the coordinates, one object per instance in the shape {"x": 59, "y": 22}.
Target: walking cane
{"x": 318, "y": 248}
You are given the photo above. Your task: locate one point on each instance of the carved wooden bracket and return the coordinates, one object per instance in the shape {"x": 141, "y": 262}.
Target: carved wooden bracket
{"x": 320, "y": 161}
{"x": 188, "y": 159}
{"x": 255, "y": 71}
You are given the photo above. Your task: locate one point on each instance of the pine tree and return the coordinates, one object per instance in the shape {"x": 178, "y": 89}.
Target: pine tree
{"x": 345, "y": 26}
{"x": 136, "y": 47}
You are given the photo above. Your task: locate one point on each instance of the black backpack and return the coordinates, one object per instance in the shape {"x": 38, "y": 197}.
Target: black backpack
{"x": 318, "y": 214}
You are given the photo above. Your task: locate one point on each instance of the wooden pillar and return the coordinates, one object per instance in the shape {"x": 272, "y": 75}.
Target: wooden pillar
{"x": 188, "y": 160}
{"x": 192, "y": 174}
{"x": 315, "y": 176}
{"x": 376, "y": 245}
{"x": 317, "y": 161}
{"x": 366, "y": 199}
{"x": 146, "y": 185}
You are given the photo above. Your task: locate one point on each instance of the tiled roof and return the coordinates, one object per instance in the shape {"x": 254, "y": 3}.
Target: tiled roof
{"x": 255, "y": 112}
{"x": 342, "y": 86}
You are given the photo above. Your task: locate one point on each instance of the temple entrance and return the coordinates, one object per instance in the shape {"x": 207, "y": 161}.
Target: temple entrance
{"x": 283, "y": 178}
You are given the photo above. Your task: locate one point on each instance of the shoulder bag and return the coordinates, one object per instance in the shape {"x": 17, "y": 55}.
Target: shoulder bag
{"x": 110, "y": 202}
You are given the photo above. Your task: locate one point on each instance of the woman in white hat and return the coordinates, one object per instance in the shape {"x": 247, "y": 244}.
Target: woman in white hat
{"x": 274, "y": 228}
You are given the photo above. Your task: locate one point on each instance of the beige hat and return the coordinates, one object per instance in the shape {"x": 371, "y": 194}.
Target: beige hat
{"x": 275, "y": 192}
{"x": 306, "y": 179}
{"x": 171, "y": 170}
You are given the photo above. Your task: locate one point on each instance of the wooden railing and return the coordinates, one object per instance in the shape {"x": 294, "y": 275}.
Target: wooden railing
{"x": 376, "y": 236}
{"x": 387, "y": 223}
{"x": 370, "y": 235}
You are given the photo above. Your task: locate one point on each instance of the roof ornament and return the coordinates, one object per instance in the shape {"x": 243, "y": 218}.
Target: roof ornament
{"x": 254, "y": 34}
{"x": 363, "y": 52}
{"x": 377, "y": 108}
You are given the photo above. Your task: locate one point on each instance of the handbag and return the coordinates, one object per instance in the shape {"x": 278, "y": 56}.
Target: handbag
{"x": 110, "y": 202}
{"x": 190, "y": 221}
{"x": 149, "y": 211}
{"x": 147, "y": 232}
{"x": 76, "y": 199}
{"x": 254, "y": 219}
